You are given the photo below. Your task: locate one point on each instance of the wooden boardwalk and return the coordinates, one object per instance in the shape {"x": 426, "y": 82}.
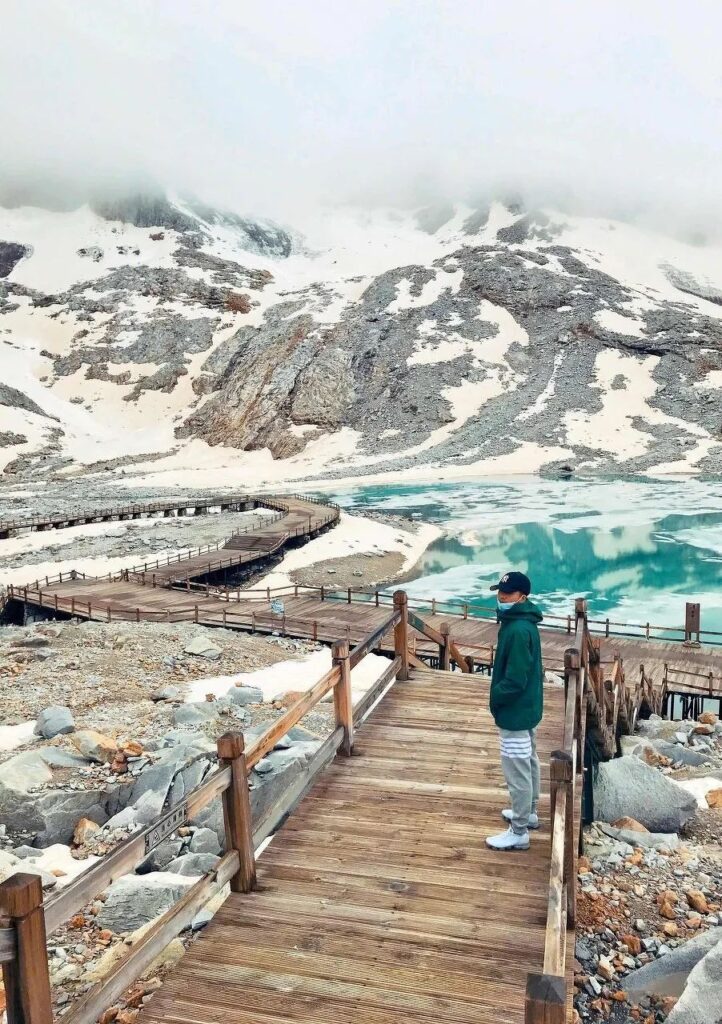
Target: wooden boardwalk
{"x": 327, "y": 620}
{"x": 378, "y": 901}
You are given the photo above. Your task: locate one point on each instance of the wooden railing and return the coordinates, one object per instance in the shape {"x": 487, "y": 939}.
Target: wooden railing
{"x": 26, "y": 921}
{"x": 547, "y": 993}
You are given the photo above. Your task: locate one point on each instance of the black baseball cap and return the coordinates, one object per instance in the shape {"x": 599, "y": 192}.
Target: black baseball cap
{"x": 510, "y": 582}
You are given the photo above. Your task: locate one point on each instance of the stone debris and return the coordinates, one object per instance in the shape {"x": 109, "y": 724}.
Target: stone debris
{"x": 649, "y": 932}
{"x": 54, "y": 721}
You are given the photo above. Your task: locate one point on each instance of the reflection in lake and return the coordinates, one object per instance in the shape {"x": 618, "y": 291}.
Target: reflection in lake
{"x": 636, "y": 549}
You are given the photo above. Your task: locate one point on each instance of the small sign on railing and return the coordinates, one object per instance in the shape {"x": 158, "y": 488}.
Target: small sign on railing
{"x": 166, "y": 826}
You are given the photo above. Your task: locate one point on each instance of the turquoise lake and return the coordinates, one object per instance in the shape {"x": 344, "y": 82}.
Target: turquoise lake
{"x": 637, "y": 550}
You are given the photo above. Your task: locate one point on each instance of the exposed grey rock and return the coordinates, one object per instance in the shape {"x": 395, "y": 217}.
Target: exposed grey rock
{"x": 151, "y": 790}
{"x": 10, "y": 255}
{"x": 134, "y": 900}
{"x": 648, "y": 840}
{"x": 193, "y": 864}
{"x": 194, "y": 714}
{"x": 162, "y": 855}
{"x": 245, "y": 695}
{"x": 700, "y": 1001}
{"x": 628, "y": 787}
{"x": 681, "y": 754}
{"x": 54, "y": 721}
{"x": 166, "y": 693}
{"x": 667, "y": 977}
{"x": 202, "y": 647}
{"x": 205, "y": 840}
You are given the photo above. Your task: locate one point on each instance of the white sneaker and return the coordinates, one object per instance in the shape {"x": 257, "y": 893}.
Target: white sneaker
{"x": 508, "y": 814}
{"x": 509, "y": 840}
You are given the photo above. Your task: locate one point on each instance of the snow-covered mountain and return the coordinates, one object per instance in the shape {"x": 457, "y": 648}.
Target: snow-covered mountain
{"x": 169, "y": 338}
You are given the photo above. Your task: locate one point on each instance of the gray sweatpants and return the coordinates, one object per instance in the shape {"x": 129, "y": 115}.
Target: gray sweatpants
{"x": 520, "y": 765}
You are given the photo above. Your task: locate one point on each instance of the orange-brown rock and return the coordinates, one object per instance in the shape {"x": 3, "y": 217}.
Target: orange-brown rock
{"x": 85, "y": 828}
{"x": 629, "y": 823}
{"x": 132, "y": 748}
{"x": 619, "y": 996}
{"x": 667, "y": 910}
{"x": 655, "y": 759}
{"x": 108, "y": 1016}
{"x": 707, "y": 718}
{"x": 633, "y": 944}
{"x": 714, "y": 798}
{"x": 703, "y": 730}
{"x": 697, "y": 901}
{"x": 666, "y": 896}
{"x": 670, "y": 929}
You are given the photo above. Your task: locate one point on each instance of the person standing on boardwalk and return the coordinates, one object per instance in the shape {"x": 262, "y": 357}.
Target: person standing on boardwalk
{"x": 516, "y": 701}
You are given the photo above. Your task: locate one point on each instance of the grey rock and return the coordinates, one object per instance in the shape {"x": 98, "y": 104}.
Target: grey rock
{"x": 648, "y": 840}
{"x": 245, "y": 695}
{"x": 202, "y": 918}
{"x": 628, "y": 787}
{"x": 163, "y": 854}
{"x": 54, "y": 721}
{"x": 667, "y": 976}
{"x": 25, "y": 852}
{"x": 202, "y": 647}
{"x": 204, "y": 840}
{"x": 194, "y": 714}
{"x": 166, "y": 693}
{"x": 134, "y": 900}
{"x": 50, "y": 815}
{"x": 680, "y": 754}
{"x": 127, "y": 818}
{"x": 151, "y": 790}
{"x": 193, "y": 864}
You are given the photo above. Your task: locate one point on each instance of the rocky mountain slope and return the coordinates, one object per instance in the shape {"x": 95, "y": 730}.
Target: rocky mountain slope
{"x": 169, "y": 336}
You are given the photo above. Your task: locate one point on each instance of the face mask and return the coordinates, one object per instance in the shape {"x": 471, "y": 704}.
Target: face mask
{"x": 504, "y": 606}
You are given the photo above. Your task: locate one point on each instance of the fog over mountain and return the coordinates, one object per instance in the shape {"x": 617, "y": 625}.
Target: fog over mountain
{"x": 273, "y": 107}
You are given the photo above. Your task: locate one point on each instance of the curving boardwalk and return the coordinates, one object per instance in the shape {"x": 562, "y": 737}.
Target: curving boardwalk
{"x": 378, "y": 901}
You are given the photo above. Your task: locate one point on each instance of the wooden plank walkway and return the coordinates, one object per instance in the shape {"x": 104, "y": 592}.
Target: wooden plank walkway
{"x": 329, "y": 620}
{"x": 378, "y": 900}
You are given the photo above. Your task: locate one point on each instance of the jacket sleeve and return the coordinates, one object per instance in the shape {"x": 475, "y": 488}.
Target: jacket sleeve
{"x": 516, "y": 673}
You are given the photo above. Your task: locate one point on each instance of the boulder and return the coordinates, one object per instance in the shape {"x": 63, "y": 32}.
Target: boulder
{"x": 150, "y": 791}
{"x": 667, "y": 976}
{"x": 628, "y": 787}
{"x": 50, "y": 815}
{"x": 95, "y": 746}
{"x": 134, "y": 900}
{"x": 678, "y": 754}
{"x": 54, "y": 721}
{"x": 700, "y": 1001}
{"x": 12, "y": 865}
{"x": 84, "y": 830}
{"x": 193, "y": 864}
{"x": 667, "y": 841}
{"x": 245, "y": 695}
{"x": 205, "y": 840}
{"x": 202, "y": 647}
{"x": 166, "y": 693}
{"x": 194, "y": 714}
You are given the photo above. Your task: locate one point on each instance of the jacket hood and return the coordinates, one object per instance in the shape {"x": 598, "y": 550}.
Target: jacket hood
{"x": 521, "y": 610}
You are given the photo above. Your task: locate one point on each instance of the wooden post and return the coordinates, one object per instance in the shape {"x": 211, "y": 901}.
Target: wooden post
{"x": 545, "y": 1000}
{"x": 561, "y": 778}
{"x": 349, "y": 595}
{"x": 444, "y": 652}
{"x": 401, "y": 633}
{"x": 26, "y": 978}
{"x": 237, "y": 810}
{"x": 342, "y": 699}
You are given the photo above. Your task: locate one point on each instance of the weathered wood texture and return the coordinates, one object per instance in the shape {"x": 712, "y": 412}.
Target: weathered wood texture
{"x": 378, "y": 901}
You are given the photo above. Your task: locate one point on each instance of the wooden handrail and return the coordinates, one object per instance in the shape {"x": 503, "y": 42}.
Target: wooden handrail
{"x": 23, "y": 952}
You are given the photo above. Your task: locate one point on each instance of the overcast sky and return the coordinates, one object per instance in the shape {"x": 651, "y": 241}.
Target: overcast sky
{"x": 275, "y": 105}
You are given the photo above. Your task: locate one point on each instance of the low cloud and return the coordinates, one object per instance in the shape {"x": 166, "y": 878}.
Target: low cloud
{"x": 275, "y": 107}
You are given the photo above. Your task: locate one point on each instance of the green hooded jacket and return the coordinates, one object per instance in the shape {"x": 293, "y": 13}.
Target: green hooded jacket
{"x": 516, "y": 699}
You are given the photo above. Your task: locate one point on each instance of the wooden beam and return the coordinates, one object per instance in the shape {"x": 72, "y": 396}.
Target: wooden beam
{"x": 342, "y": 699}
{"x": 545, "y": 1000}
{"x": 373, "y": 639}
{"x": 237, "y": 810}
{"x": 295, "y": 713}
{"x": 151, "y": 944}
{"x": 423, "y": 627}
{"x": 27, "y": 978}
{"x": 401, "y": 632}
